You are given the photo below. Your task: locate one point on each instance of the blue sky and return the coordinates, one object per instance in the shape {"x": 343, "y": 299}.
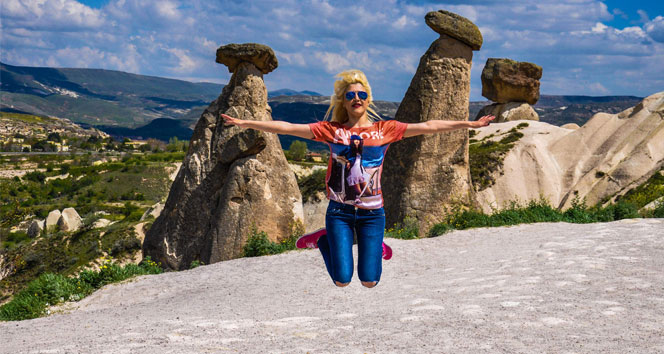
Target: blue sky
{"x": 585, "y": 47}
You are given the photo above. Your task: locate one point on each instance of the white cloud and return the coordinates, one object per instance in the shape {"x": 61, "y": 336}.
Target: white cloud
{"x": 167, "y": 10}
{"x": 333, "y": 62}
{"x": 185, "y": 63}
{"x": 599, "y": 28}
{"x": 655, "y": 29}
{"x": 292, "y": 58}
{"x": 52, "y": 15}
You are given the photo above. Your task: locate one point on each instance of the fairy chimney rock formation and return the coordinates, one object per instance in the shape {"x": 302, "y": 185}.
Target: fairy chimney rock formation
{"x": 513, "y": 86}
{"x": 232, "y": 181}
{"x": 424, "y": 174}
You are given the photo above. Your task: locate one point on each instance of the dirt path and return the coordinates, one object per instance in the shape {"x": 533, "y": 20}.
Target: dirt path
{"x": 554, "y": 288}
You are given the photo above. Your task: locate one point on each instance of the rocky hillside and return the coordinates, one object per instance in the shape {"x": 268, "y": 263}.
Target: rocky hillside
{"x": 99, "y": 97}
{"x": 605, "y": 158}
{"x": 13, "y": 124}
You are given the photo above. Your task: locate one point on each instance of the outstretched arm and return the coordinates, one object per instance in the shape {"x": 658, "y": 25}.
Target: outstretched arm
{"x": 273, "y": 126}
{"x": 439, "y": 126}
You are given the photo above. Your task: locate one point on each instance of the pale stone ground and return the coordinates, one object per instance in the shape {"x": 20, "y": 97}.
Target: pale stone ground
{"x": 543, "y": 288}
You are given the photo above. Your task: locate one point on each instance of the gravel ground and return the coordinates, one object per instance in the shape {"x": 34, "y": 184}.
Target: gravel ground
{"x": 542, "y": 288}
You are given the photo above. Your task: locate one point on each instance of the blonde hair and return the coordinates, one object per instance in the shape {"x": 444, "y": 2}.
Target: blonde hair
{"x": 337, "y": 109}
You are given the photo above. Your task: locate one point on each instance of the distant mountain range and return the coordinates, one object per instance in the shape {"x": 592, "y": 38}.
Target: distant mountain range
{"x": 124, "y": 104}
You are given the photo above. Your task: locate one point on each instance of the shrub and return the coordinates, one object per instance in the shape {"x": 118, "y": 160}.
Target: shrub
{"x": 578, "y": 213}
{"x": 439, "y": 229}
{"x": 51, "y": 289}
{"x": 259, "y": 245}
{"x": 659, "y": 210}
{"x": 35, "y": 176}
{"x": 408, "y": 229}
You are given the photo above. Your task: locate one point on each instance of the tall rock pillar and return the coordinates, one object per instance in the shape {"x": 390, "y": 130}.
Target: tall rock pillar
{"x": 231, "y": 180}
{"x": 424, "y": 174}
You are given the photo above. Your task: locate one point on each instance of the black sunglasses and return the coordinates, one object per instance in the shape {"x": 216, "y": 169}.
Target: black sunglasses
{"x": 361, "y": 94}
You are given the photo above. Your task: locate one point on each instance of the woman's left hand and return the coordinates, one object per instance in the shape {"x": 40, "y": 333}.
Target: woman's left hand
{"x": 484, "y": 121}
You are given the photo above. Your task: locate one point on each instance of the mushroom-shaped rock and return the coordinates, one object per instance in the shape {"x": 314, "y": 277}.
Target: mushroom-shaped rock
{"x": 52, "y": 219}
{"x": 506, "y": 80}
{"x": 232, "y": 181}
{"x": 69, "y": 220}
{"x": 455, "y": 26}
{"x": 428, "y": 173}
{"x": 260, "y": 55}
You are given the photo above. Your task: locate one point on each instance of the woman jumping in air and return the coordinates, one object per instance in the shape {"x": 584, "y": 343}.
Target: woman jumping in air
{"x": 354, "y": 131}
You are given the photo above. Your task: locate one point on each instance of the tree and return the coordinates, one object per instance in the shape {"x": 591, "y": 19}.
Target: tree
{"x": 298, "y": 150}
{"x": 55, "y": 136}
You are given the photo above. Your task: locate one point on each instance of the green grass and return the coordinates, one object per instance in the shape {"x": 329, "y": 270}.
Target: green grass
{"x": 649, "y": 191}
{"x": 408, "y": 229}
{"x": 534, "y": 212}
{"x": 51, "y": 289}
{"x": 486, "y": 156}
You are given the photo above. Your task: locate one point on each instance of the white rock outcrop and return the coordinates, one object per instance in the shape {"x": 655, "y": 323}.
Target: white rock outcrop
{"x": 100, "y": 223}
{"x": 70, "y": 220}
{"x": 608, "y": 156}
{"x": 153, "y": 211}
{"x": 52, "y": 220}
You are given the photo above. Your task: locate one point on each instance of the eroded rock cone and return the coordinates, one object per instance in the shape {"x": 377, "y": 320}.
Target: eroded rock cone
{"x": 506, "y": 80}
{"x": 424, "y": 174}
{"x": 231, "y": 180}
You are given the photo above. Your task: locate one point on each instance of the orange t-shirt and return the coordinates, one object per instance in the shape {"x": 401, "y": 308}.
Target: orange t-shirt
{"x": 356, "y": 160}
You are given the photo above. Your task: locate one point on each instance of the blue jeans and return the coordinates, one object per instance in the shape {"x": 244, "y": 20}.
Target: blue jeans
{"x": 337, "y": 246}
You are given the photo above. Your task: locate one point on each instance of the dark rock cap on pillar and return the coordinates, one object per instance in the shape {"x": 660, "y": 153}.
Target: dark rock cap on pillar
{"x": 507, "y": 80}
{"x": 260, "y": 55}
{"x": 455, "y": 26}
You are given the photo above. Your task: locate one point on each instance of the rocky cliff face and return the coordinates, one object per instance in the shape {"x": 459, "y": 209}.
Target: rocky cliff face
{"x": 231, "y": 180}
{"x": 423, "y": 174}
{"x": 609, "y": 155}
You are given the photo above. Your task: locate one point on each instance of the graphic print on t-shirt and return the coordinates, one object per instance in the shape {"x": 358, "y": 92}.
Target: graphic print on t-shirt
{"x": 356, "y": 160}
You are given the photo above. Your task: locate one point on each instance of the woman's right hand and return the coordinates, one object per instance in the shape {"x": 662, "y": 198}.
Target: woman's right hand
{"x": 232, "y": 121}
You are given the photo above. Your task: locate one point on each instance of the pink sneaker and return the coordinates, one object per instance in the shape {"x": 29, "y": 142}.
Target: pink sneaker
{"x": 387, "y": 251}
{"x": 310, "y": 240}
